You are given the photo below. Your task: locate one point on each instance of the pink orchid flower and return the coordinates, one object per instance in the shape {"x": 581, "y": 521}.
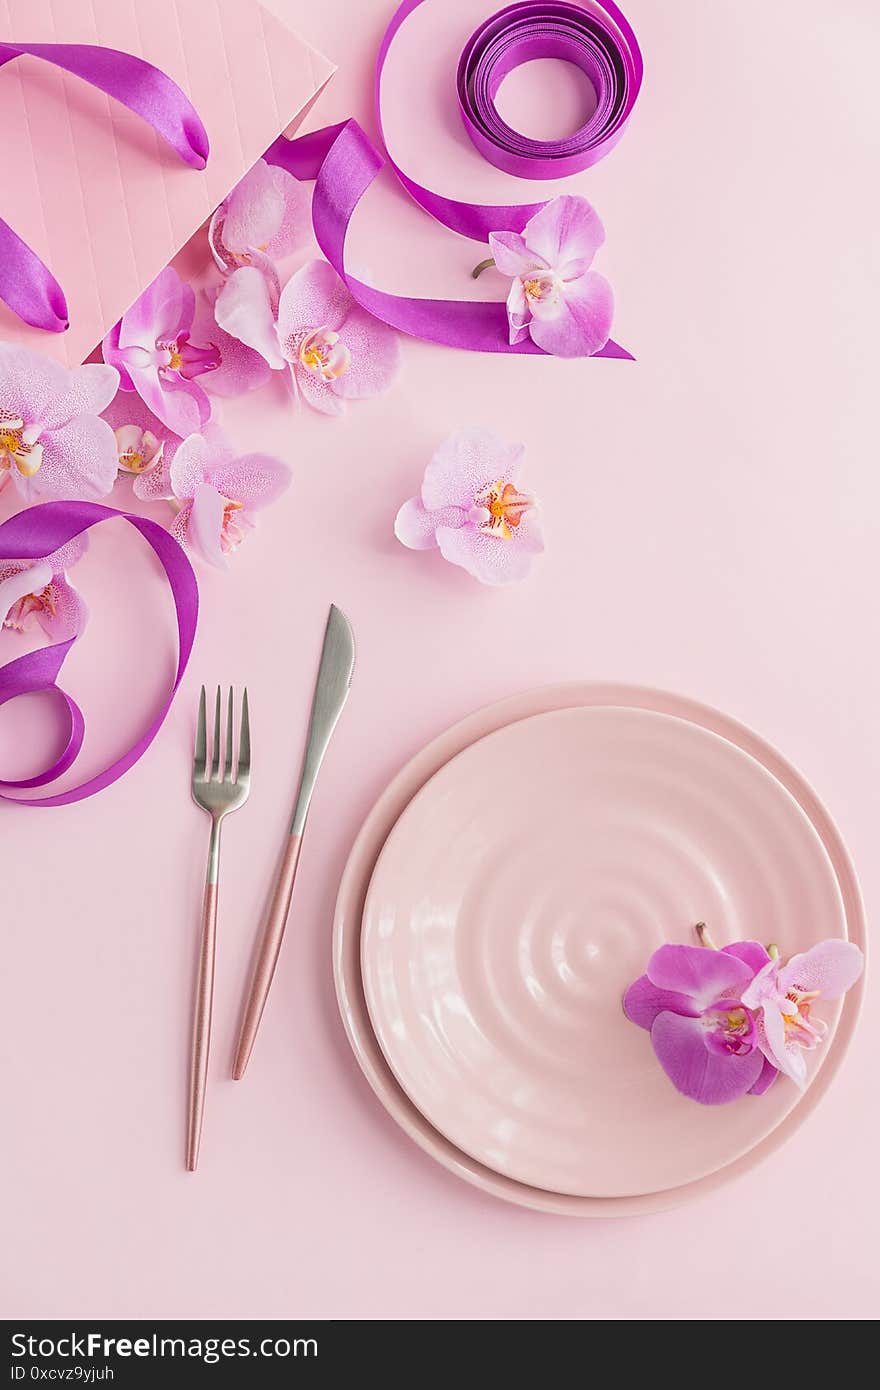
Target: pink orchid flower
{"x": 554, "y": 296}
{"x": 692, "y": 1001}
{"x": 145, "y": 445}
{"x": 219, "y": 493}
{"x": 52, "y": 443}
{"x": 38, "y": 592}
{"x": 471, "y": 509}
{"x": 151, "y": 348}
{"x": 782, "y": 996}
{"x": 264, "y": 218}
{"x": 333, "y": 348}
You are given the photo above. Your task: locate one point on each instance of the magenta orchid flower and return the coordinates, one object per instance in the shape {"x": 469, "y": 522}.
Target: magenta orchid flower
{"x": 335, "y": 351}
{"x": 554, "y": 296}
{"x": 691, "y": 1000}
{"x": 52, "y": 443}
{"x": 264, "y": 218}
{"x": 153, "y": 352}
{"x": 219, "y": 493}
{"x": 470, "y": 507}
{"x": 782, "y": 997}
{"x": 37, "y": 592}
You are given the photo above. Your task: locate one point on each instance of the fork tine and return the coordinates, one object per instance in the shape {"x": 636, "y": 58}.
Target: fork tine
{"x": 244, "y": 739}
{"x": 215, "y": 766}
{"x": 201, "y": 752}
{"x": 227, "y": 770}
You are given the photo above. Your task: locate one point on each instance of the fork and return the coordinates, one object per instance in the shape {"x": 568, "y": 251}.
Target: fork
{"x": 218, "y": 792}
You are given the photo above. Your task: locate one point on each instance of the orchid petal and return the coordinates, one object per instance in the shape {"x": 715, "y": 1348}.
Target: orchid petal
{"x": 375, "y": 356}
{"x": 317, "y": 392}
{"x": 26, "y": 579}
{"x": 79, "y": 463}
{"x": 712, "y": 1078}
{"x": 315, "y": 297}
{"x": 254, "y": 210}
{"x": 512, "y": 255}
{"x": 832, "y": 968}
{"x": 700, "y": 973}
{"x": 244, "y": 309}
{"x": 584, "y": 323}
{"x": 466, "y": 463}
{"x": 205, "y": 526}
{"x": 255, "y": 480}
{"x": 489, "y": 559}
{"x": 416, "y": 528}
{"x": 567, "y": 228}
{"x": 643, "y": 1001}
{"x": 766, "y": 1076}
{"x": 752, "y": 952}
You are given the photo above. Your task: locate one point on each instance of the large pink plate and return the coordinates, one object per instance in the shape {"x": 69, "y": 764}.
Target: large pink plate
{"x": 725, "y": 829}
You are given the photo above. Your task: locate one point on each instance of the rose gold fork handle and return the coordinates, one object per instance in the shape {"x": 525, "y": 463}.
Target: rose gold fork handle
{"x": 201, "y": 1038}
{"x": 267, "y": 959}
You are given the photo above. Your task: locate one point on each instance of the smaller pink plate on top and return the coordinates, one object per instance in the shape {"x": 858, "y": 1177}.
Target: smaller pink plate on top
{"x": 519, "y": 892}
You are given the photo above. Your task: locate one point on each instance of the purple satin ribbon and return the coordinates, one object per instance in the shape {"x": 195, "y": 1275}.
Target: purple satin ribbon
{"x": 26, "y": 283}
{"x": 344, "y": 161}
{"x": 33, "y": 534}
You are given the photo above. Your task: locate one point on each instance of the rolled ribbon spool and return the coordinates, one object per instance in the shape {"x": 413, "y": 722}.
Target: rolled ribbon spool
{"x": 33, "y": 534}
{"x": 344, "y": 161}
{"x": 605, "y": 51}
{"x": 26, "y": 283}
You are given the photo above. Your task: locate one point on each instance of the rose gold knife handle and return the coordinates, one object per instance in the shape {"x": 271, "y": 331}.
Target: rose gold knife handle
{"x": 267, "y": 959}
{"x": 203, "y": 1006}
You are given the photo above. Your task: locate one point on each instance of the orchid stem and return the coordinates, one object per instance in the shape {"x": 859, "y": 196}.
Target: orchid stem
{"x": 705, "y": 939}
{"x": 484, "y": 265}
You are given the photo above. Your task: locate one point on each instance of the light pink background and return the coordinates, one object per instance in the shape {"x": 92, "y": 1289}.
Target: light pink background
{"x": 712, "y": 518}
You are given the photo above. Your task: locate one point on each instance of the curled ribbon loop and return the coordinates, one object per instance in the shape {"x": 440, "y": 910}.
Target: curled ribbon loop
{"x": 32, "y": 535}
{"x": 607, "y": 53}
{"x": 344, "y": 161}
{"x": 26, "y": 283}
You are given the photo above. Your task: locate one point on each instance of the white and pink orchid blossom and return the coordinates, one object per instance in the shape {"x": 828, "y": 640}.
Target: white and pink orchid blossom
{"x": 782, "y": 998}
{"x": 219, "y": 493}
{"x": 38, "y": 592}
{"x": 153, "y": 352}
{"x": 145, "y": 445}
{"x": 554, "y": 297}
{"x": 470, "y": 507}
{"x": 52, "y": 443}
{"x": 335, "y": 351}
{"x": 264, "y": 218}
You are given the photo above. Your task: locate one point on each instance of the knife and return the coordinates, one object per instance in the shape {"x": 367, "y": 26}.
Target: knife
{"x": 331, "y": 693}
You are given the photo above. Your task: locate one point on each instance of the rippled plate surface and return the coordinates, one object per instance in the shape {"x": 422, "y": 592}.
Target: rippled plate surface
{"x": 352, "y": 897}
{"x": 524, "y": 888}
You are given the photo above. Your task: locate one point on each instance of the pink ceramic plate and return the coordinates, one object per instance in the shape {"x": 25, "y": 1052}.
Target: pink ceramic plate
{"x": 520, "y": 893}
{"x": 677, "y": 823}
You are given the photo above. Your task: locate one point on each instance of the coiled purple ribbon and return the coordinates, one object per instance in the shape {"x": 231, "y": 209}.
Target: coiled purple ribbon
{"x": 344, "y": 161}
{"x": 35, "y": 533}
{"x": 26, "y": 283}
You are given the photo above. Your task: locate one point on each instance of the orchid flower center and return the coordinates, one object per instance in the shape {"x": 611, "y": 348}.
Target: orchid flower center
{"x": 137, "y": 450}
{"x": 499, "y": 509}
{"x": 185, "y": 359}
{"x": 18, "y": 445}
{"x": 322, "y": 353}
{"x": 798, "y": 1026}
{"x": 25, "y": 609}
{"x": 729, "y": 1028}
{"x": 542, "y": 287}
{"x": 231, "y": 533}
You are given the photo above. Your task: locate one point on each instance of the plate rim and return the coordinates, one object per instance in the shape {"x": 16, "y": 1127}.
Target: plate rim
{"x": 382, "y": 817}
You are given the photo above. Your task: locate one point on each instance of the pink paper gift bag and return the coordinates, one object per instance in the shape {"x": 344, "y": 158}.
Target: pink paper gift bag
{"x": 91, "y": 188}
